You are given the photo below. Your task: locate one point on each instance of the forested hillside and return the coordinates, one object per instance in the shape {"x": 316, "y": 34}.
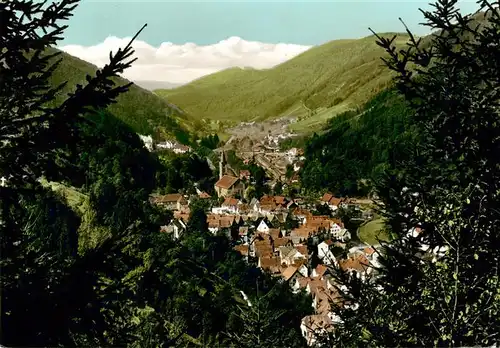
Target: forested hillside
{"x": 142, "y": 110}
{"x": 357, "y": 146}
{"x": 319, "y": 83}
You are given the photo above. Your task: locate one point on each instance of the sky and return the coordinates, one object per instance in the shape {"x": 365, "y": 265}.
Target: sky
{"x": 187, "y": 39}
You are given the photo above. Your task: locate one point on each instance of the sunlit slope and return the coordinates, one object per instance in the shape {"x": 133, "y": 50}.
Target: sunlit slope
{"x": 315, "y": 85}
{"x": 140, "y": 109}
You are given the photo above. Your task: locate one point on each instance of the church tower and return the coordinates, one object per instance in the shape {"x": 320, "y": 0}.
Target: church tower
{"x": 221, "y": 165}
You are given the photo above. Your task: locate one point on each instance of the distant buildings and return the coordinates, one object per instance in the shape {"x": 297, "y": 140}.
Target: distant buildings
{"x": 148, "y": 141}
{"x": 228, "y": 185}
{"x": 173, "y": 201}
{"x": 171, "y": 145}
{"x": 264, "y": 237}
{"x": 174, "y": 146}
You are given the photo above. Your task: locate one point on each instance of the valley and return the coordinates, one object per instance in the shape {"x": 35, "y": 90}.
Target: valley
{"x": 313, "y": 87}
{"x": 332, "y": 200}
{"x": 260, "y": 141}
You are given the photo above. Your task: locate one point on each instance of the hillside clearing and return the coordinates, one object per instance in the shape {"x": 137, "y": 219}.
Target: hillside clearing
{"x": 75, "y": 199}
{"x": 370, "y": 231}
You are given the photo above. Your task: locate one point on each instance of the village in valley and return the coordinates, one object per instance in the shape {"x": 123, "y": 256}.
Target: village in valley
{"x": 288, "y": 237}
{"x": 299, "y": 239}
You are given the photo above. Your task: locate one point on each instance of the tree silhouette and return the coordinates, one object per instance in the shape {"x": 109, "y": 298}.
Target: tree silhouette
{"x": 43, "y": 301}
{"x": 440, "y": 287}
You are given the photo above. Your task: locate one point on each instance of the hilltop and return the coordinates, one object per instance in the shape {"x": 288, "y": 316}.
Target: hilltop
{"x": 139, "y": 108}
{"x": 324, "y": 81}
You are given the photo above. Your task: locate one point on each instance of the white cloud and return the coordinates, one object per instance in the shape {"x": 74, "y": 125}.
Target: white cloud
{"x": 181, "y": 64}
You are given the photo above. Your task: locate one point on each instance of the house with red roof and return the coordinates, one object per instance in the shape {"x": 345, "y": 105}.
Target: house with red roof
{"x": 270, "y": 264}
{"x": 218, "y": 222}
{"x": 289, "y": 255}
{"x": 332, "y": 202}
{"x": 359, "y": 265}
{"x": 325, "y": 254}
{"x": 230, "y": 205}
{"x": 172, "y": 201}
{"x": 229, "y": 185}
{"x": 291, "y": 274}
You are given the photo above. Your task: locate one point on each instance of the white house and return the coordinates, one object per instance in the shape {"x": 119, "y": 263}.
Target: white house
{"x": 229, "y": 206}
{"x": 289, "y": 255}
{"x": 336, "y": 229}
{"x": 263, "y": 227}
{"x": 340, "y": 233}
{"x": 167, "y": 145}
{"x": 218, "y": 210}
{"x": 291, "y": 154}
{"x": 174, "y": 146}
{"x": 324, "y": 253}
{"x": 359, "y": 265}
{"x": 181, "y": 149}
{"x": 374, "y": 259}
{"x": 254, "y": 205}
{"x": 176, "y": 227}
{"x": 297, "y": 166}
{"x": 295, "y": 285}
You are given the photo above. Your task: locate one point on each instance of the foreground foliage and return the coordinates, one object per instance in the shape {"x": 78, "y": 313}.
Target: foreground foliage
{"x": 102, "y": 274}
{"x": 448, "y": 188}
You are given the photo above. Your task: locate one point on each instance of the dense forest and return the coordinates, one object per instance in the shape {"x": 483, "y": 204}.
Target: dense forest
{"x": 182, "y": 172}
{"x": 358, "y": 146}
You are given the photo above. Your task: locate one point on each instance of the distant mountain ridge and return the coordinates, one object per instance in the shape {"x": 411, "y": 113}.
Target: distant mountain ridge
{"x": 321, "y": 82}
{"x": 318, "y": 84}
{"x": 183, "y": 63}
{"x": 152, "y": 85}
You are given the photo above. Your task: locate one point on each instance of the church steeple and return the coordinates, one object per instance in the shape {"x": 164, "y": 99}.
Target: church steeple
{"x": 221, "y": 165}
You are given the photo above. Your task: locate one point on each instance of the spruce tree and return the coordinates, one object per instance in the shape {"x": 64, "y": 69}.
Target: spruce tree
{"x": 440, "y": 287}
{"x": 258, "y": 325}
{"x": 49, "y": 295}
